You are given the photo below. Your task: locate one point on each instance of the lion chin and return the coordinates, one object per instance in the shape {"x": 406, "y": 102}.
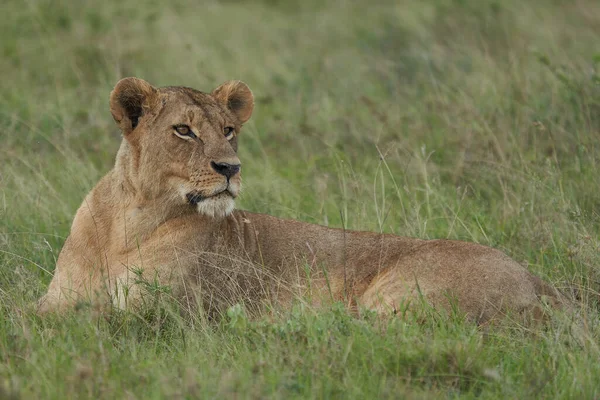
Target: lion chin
{"x": 219, "y": 206}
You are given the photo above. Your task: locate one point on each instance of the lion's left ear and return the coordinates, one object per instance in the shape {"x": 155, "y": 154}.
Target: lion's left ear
{"x": 237, "y": 96}
{"x": 130, "y": 100}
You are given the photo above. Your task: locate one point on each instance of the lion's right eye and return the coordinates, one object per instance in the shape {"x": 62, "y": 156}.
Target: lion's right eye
{"x": 228, "y": 132}
{"x": 184, "y": 131}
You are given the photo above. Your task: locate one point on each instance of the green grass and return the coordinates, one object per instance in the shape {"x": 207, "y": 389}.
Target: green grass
{"x": 473, "y": 120}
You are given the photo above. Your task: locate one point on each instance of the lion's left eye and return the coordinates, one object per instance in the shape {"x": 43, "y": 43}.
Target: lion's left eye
{"x": 229, "y": 132}
{"x": 184, "y": 130}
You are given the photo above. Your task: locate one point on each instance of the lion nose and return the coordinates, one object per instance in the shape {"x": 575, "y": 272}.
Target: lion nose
{"x": 225, "y": 169}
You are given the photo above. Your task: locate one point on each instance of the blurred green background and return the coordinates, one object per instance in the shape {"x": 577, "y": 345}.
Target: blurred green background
{"x": 466, "y": 119}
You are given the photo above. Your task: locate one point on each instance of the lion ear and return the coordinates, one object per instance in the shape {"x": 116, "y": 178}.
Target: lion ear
{"x": 237, "y": 96}
{"x": 130, "y": 100}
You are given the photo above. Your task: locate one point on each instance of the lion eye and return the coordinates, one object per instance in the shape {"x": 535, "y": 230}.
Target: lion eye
{"x": 229, "y": 132}
{"x": 184, "y": 130}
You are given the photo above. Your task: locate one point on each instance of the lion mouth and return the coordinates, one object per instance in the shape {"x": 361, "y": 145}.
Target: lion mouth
{"x": 194, "y": 198}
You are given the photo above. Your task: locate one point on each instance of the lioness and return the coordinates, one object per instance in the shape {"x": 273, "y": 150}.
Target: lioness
{"x": 164, "y": 216}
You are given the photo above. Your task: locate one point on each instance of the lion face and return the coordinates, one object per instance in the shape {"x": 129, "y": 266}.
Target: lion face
{"x": 182, "y": 143}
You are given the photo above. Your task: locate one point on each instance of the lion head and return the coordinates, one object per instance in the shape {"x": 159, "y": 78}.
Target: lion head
{"x": 181, "y": 144}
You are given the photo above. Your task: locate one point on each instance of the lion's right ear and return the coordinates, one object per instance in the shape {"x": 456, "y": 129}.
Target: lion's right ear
{"x": 237, "y": 96}
{"x": 130, "y": 100}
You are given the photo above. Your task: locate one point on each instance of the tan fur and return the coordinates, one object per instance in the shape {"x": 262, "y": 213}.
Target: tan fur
{"x": 137, "y": 224}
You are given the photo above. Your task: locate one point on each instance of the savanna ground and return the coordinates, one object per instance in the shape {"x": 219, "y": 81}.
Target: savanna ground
{"x": 474, "y": 120}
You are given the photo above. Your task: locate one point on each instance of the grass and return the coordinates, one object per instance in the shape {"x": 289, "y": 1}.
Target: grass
{"x": 473, "y": 120}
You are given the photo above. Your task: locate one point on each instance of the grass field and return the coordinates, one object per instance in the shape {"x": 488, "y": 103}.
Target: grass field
{"x": 474, "y": 119}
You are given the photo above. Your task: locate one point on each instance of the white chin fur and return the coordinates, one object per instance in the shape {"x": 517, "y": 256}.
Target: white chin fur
{"x": 216, "y": 207}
